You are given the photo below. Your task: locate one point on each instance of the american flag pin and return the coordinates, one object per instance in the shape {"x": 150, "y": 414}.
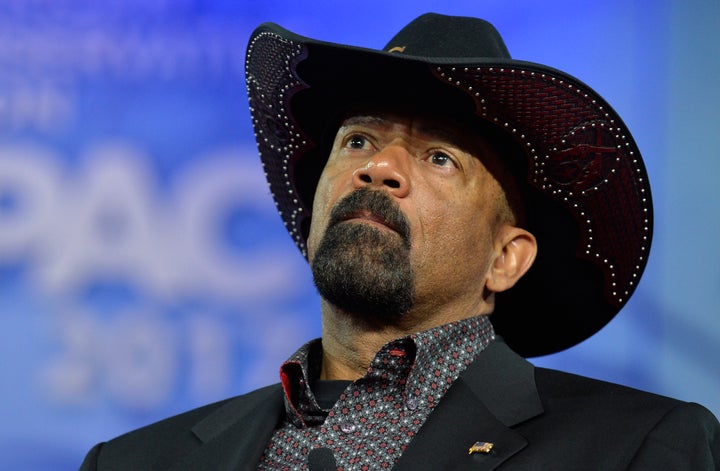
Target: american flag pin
{"x": 481, "y": 447}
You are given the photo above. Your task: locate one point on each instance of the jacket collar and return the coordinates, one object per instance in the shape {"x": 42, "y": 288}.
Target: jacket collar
{"x": 496, "y": 392}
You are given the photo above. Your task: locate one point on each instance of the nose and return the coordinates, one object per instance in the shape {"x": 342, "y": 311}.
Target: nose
{"x": 387, "y": 170}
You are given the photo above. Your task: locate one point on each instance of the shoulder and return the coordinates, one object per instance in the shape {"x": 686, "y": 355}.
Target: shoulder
{"x": 651, "y": 429}
{"x": 183, "y": 423}
{"x": 145, "y": 446}
{"x": 560, "y": 390}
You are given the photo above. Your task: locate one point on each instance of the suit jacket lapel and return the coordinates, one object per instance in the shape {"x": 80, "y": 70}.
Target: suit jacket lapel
{"x": 235, "y": 436}
{"x": 496, "y": 392}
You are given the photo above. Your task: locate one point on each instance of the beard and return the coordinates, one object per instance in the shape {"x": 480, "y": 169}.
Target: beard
{"x": 364, "y": 270}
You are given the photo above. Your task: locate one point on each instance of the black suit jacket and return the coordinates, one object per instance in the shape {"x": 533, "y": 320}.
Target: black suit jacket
{"x": 537, "y": 419}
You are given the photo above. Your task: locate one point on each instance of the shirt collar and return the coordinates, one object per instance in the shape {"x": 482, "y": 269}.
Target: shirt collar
{"x": 429, "y": 362}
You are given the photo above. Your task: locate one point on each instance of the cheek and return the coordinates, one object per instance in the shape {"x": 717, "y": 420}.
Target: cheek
{"x": 436, "y": 231}
{"x": 319, "y": 219}
{"x": 327, "y": 194}
{"x": 454, "y": 229}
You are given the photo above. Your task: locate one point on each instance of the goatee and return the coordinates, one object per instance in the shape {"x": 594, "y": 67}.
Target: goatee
{"x": 362, "y": 269}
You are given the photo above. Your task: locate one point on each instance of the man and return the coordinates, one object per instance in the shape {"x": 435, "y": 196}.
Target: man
{"x": 434, "y": 187}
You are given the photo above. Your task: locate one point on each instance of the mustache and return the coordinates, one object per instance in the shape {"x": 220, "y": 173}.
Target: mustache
{"x": 377, "y": 203}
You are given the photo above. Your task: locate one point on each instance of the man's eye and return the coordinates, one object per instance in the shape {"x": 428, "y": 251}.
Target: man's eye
{"x": 441, "y": 159}
{"x": 356, "y": 141}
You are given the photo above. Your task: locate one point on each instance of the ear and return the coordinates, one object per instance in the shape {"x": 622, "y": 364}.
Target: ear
{"x": 515, "y": 254}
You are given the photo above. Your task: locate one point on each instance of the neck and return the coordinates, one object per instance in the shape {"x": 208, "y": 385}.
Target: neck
{"x": 349, "y": 345}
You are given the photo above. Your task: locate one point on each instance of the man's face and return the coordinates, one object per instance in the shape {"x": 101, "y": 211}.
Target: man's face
{"x": 405, "y": 218}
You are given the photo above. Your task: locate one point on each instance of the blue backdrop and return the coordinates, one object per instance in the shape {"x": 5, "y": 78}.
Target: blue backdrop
{"x": 144, "y": 271}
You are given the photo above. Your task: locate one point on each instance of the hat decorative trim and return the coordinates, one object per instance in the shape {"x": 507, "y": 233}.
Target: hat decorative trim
{"x": 278, "y": 134}
{"x": 572, "y": 171}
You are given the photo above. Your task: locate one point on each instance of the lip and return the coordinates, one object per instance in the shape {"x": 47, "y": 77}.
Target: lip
{"x": 369, "y": 218}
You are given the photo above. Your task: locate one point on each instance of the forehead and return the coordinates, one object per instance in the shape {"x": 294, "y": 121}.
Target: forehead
{"x": 426, "y": 125}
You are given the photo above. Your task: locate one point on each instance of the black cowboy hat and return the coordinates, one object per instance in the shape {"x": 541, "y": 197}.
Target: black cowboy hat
{"x": 585, "y": 186}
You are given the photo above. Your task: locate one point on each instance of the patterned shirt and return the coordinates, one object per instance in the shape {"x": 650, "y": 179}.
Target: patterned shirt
{"x": 375, "y": 417}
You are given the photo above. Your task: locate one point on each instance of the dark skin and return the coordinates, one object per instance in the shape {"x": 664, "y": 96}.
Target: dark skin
{"x": 439, "y": 175}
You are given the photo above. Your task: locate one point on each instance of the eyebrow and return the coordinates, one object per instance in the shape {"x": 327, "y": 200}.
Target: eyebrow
{"x": 443, "y": 133}
{"x": 359, "y": 120}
